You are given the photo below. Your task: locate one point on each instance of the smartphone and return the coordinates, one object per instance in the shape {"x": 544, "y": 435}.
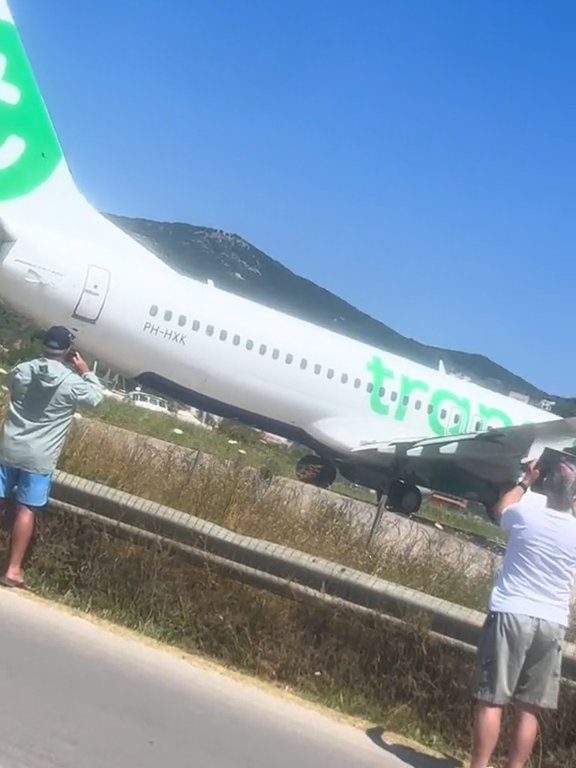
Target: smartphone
{"x": 550, "y": 457}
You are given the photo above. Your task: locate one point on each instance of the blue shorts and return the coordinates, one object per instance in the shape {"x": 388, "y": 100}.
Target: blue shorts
{"x": 27, "y": 488}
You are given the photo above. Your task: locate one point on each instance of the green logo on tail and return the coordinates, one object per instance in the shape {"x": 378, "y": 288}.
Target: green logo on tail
{"x": 29, "y": 149}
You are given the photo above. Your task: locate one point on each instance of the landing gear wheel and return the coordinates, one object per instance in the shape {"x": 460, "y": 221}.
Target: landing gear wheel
{"x": 404, "y": 498}
{"x": 315, "y": 470}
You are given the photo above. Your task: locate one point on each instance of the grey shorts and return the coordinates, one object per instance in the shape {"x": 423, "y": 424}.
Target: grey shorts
{"x": 519, "y": 659}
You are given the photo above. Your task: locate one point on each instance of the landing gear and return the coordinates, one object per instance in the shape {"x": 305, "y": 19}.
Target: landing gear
{"x": 315, "y": 470}
{"x": 403, "y": 497}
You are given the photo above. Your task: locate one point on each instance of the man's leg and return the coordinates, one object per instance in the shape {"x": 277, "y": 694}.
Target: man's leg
{"x": 524, "y": 736}
{"x": 487, "y": 720}
{"x": 20, "y": 538}
{"x": 31, "y": 496}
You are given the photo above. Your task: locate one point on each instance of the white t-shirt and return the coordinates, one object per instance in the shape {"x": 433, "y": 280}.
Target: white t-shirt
{"x": 540, "y": 561}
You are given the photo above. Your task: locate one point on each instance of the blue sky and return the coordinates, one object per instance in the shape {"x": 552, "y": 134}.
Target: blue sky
{"x": 416, "y": 158}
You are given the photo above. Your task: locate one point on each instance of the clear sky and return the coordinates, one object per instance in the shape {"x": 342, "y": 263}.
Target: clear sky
{"x": 416, "y": 157}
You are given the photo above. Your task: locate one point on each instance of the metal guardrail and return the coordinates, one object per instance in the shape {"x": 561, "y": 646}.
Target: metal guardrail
{"x": 274, "y": 566}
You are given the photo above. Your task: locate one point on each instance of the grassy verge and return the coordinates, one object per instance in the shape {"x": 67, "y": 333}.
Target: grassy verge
{"x": 243, "y": 502}
{"x": 479, "y": 527}
{"x": 396, "y": 677}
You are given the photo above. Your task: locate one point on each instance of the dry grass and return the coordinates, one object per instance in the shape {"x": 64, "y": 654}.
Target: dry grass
{"x": 243, "y": 501}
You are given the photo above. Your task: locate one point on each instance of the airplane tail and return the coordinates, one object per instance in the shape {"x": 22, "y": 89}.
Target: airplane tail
{"x": 30, "y": 153}
{"x": 37, "y": 191}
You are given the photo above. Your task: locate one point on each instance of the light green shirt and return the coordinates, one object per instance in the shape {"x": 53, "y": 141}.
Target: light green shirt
{"x": 44, "y": 395}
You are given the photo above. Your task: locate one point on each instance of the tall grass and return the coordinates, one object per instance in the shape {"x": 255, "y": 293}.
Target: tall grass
{"x": 242, "y": 500}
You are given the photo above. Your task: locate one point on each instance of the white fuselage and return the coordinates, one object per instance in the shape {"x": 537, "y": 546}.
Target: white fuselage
{"x": 132, "y": 311}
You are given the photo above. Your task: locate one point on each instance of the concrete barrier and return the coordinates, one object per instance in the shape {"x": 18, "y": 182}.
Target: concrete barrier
{"x": 314, "y": 573}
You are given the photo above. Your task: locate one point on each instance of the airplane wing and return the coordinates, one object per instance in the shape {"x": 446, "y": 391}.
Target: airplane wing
{"x": 456, "y": 463}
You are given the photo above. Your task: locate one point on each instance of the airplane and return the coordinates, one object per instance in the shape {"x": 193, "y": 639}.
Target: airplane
{"x": 382, "y": 420}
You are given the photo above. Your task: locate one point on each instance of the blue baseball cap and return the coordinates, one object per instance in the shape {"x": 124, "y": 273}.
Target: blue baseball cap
{"x": 58, "y": 338}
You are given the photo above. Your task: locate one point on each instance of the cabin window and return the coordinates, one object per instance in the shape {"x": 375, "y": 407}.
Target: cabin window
{"x": 344, "y": 378}
{"x": 382, "y": 392}
{"x": 330, "y": 373}
{"x": 209, "y": 330}
{"x": 262, "y": 349}
{"x": 370, "y": 387}
{"x": 443, "y": 413}
{"x": 430, "y": 409}
{"x": 317, "y": 369}
{"x": 182, "y": 321}
{"x": 357, "y": 383}
{"x": 275, "y": 354}
{"x": 236, "y": 340}
{"x": 289, "y": 359}
{"x": 478, "y": 426}
{"x": 168, "y": 315}
{"x": 223, "y": 335}
{"x": 394, "y": 396}
{"x": 153, "y": 310}
{"x": 405, "y": 400}
{"x": 303, "y": 364}
{"x": 418, "y": 405}
{"x": 456, "y": 418}
{"x": 249, "y": 344}
{"x": 196, "y": 325}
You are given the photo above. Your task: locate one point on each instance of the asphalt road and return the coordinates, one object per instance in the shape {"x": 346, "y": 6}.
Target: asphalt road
{"x": 76, "y": 695}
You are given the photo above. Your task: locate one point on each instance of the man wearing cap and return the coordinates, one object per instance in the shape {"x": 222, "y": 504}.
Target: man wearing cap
{"x": 44, "y": 395}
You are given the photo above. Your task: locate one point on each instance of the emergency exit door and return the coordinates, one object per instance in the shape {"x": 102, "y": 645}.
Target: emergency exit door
{"x": 93, "y": 296}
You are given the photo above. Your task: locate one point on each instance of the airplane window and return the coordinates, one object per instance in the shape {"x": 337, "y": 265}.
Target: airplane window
{"x": 317, "y": 369}
{"x": 209, "y": 330}
{"x": 223, "y": 335}
{"x": 181, "y": 321}
{"x": 168, "y": 315}
{"x": 382, "y": 392}
{"x": 236, "y": 340}
{"x": 405, "y": 400}
{"x": 456, "y": 418}
{"x": 443, "y": 413}
{"x": 196, "y": 325}
{"x": 357, "y": 383}
{"x": 370, "y": 387}
{"x": 430, "y": 409}
{"x": 275, "y": 354}
{"x": 394, "y": 396}
{"x": 262, "y": 349}
{"x": 418, "y": 404}
{"x": 249, "y": 344}
{"x": 478, "y": 426}
{"x": 153, "y": 310}
{"x": 303, "y": 364}
{"x": 289, "y": 358}
{"x": 344, "y": 378}
{"x": 330, "y": 373}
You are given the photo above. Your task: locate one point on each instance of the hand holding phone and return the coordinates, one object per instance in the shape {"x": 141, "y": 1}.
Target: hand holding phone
{"x": 80, "y": 365}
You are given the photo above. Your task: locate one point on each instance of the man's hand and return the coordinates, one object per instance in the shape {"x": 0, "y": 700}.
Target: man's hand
{"x": 513, "y": 495}
{"x": 531, "y": 473}
{"x": 80, "y": 365}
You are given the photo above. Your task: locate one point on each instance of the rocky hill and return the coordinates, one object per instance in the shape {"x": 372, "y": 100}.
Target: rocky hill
{"x": 237, "y": 266}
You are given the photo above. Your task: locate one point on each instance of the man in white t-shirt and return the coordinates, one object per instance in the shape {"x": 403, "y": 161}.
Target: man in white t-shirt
{"x": 520, "y": 649}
